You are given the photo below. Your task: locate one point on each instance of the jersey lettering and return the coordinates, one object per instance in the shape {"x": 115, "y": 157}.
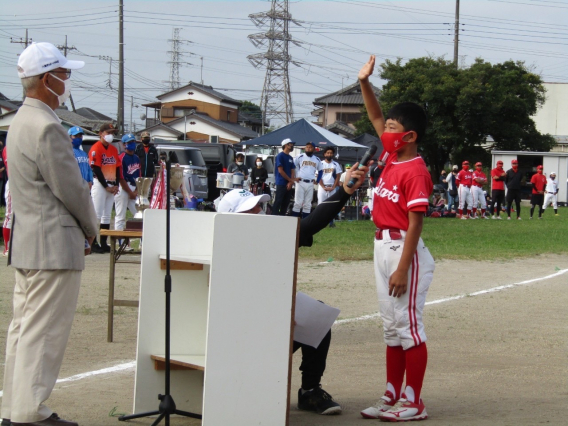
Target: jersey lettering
{"x": 386, "y": 193}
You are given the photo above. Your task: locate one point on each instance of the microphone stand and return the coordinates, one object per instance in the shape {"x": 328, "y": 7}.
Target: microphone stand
{"x": 167, "y": 405}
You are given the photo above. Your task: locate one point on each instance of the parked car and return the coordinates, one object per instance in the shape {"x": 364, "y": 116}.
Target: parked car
{"x": 195, "y": 169}
{"x": 217, "y": 157}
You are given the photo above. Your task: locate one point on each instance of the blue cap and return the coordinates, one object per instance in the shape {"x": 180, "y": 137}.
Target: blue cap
{"x": 73, "y": 131}
{"x": 129, "y": 137}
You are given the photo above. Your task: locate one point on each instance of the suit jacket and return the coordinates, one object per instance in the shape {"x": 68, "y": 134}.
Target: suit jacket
{"x": 52, "y": 208}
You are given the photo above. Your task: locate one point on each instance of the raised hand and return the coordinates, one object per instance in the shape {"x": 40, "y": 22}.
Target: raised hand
{"x": 367, "y": 69}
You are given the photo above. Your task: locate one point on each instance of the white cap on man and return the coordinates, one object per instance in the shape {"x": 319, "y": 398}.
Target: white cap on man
{"x": 287, "y": 141}
{"x": 39, "y": 58}
{"x": 240, "y": 200}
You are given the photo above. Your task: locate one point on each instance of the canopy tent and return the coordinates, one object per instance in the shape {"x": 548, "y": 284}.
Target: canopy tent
{"x": 303, "y": 131}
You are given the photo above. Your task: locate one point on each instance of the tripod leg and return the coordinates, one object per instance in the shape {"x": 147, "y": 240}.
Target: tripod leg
{"x": 159, "y": 419}
{"x": 137, "y": 416}
{"x": 188, "y": 414}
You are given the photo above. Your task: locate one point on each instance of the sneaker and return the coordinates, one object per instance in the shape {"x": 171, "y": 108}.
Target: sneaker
{"x": 556, "y": 214}
{"x": 105, "y": 248}
{"x": 519, "y": 218}
{"x": 128, "y": 249}
{"x": 486, "y": 217}
{"x": 319, "y": 401}
{"x": 530, "y": 218}
{"x": 404, "y": 411}
{"x": 96, "y": 248}
{"x": 385, "y": 403}
{"x": 474, "y": 217}
{"x": 540, "y": 217}
{"x": 6, "y": 252}
{"x": 499, "y": 218}
{"x": 509, "y": 218}
{"x": 463, "y": 217}
{"x": 493, "y": 217}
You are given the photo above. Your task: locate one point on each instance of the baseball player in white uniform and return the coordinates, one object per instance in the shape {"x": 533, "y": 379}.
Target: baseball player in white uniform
{"x": 550, "y": 193}
{"x": 464, "y": 180}
{"x": 478, "y": 180}
{"x": 307, "y": 165}
{"x": 328, "y": 175}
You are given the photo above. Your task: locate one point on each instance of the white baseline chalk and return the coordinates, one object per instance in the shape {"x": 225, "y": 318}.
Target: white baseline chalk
{"x": 461, "y": 296}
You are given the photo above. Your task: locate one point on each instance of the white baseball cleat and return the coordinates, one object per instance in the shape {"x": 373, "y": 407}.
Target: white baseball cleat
{"x": 375, "y": 412}
{"x": 463, "y": 217}
{"x": 519, "y": 218}
{"x": 404, "y": 411}
{"x": 499, "y": 218}
{"x": 485, "y": 217}
{"x": 493, "y": 217}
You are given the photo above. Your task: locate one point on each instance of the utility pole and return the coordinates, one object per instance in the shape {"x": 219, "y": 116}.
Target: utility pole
{"x": 201, "y": 70}
{"x": 110, "y": 73}
{"x": 120, "y": 109}
{"x": 26, "y": 42}
{"x": 456, "y": 33}
{"x": 276, "y": 99}
{"x": 65, "y": 48}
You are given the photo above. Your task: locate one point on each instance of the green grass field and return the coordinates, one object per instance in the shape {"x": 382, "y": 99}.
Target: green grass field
{"x": 453, "y": 238}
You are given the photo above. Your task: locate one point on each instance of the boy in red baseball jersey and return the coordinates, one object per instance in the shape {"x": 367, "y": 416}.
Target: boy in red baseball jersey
{"x": 497, "y": 189}
{"x": 478, "y": 180}
{"x": 538, "y": 181}
{"x": 464, "y": 180}
{"x": 403, "y": 265}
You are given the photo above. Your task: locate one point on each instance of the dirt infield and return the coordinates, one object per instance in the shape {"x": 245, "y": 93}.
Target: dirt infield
{"x": 494, "y": 359}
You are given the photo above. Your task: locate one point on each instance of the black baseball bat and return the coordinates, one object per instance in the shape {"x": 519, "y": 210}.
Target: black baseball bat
{"x": 366, "y": 158}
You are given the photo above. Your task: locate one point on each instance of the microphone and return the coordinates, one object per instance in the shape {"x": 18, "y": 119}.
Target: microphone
{"x": 366, "y": 158}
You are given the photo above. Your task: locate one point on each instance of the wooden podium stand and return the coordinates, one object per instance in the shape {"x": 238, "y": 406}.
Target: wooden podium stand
{"x": 233, "y": 293}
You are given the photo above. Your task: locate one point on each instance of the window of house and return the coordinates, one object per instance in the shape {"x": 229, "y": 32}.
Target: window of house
{"x": 228, "y": 115}
{"x": 348, "y": 117}
{"x": 181, "y": 112}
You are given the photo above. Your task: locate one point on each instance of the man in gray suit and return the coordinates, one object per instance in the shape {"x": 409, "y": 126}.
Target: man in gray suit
{"x": 53, "y": 217}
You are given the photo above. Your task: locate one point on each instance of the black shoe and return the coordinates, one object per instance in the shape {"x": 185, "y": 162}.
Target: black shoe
{"x": 5, "y": 422}
{"x": 105, "y": 248}
{"x": 95, "y": 248}
{"x": 319, "y": 401}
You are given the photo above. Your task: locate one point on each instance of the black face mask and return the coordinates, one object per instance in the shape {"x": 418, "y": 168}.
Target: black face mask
{"x": 329, "y": 157}
{"x": 145, "y": 141}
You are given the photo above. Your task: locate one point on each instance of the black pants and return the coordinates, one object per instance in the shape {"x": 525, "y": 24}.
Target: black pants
{"x": 313, "y": 362}
{"x": 281, "y": 200}
{"x": 2, "y": 186}
{"x": 514, "y": 195}
{"x": 497, "y": 196}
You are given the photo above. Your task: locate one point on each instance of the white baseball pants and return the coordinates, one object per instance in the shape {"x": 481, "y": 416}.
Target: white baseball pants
{"x": 464, "y": 193}
{"x": 103, "y": 201}
{"x": 324, "y": 195}
{"x": 303, "y": 197}
{"x": 8, "y": 213}
{"x": 402, "y": 316}
{"x": 44, "y": 307}
{"x": 123, "y": 202}
{"x": 478, "y": 197}
{"x": 550, "y": 198}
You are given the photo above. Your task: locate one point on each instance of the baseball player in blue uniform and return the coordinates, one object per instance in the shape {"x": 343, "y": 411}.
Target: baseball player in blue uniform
{"x": 76, "y": 135}
{"x": 126, "y": 200}
{"x": 307, "y": 165}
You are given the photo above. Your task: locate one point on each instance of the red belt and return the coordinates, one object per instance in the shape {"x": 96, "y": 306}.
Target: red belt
{"x": 395, "y": 234}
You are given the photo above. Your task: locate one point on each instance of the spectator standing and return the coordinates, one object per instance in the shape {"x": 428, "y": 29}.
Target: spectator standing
{"x": 76, "y": 134}
{"x": 478, "y": 180}
{"x": 148, "y": 155}
{"x": 497, "y": 189}
{"x": 551, "y": 192}
{"x": 538, "y": 181}
{"x": 106, "y": 170}
{"x": 513, "y": 179}
{"x": 7, "y": 225}
{"x": 452, "y": 190}
{"x": 258, "y": 177}
{"x": 307, "y": 165}
{"x": 53, "y": 215}
{"x": 3, "y": 177}
{"x": 464, "y": 180}
{"x": 328, "y": 175}
{"x": 285, "y": 177}
{"x": 125, "y": 199}
{"x": 442, "y": 180}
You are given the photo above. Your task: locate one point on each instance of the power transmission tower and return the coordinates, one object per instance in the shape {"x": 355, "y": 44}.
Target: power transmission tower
{"x": 175, "y": 56}
{"x": 276, "y": 99}
{"x": 65, "y": 48}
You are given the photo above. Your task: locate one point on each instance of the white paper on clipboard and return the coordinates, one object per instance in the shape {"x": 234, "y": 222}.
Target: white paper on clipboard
{"x": 313, "y": 320}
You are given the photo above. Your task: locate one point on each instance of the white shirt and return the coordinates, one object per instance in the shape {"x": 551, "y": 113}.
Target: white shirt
{"x": 551, "y": 186}
{"x": 329, "y": 172}
{"x": 306, "y": 166}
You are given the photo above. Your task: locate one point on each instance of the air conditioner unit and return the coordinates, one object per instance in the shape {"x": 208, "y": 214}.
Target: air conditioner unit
{"x": 214, "y": 139}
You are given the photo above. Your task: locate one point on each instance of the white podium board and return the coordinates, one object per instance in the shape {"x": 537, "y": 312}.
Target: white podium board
{"x": 232, "y": 307}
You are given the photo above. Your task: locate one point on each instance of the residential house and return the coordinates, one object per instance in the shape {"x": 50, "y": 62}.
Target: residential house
{"x": 338, "y": 111}
{"x": 551, "y": 117}
{"x": 200, "y": 113}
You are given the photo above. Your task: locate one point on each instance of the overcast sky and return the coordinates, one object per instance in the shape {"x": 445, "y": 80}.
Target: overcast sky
{"x": 335, "y": 38}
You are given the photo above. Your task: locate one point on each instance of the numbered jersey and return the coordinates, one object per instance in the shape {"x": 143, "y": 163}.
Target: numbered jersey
{"x": 106, "y": 158}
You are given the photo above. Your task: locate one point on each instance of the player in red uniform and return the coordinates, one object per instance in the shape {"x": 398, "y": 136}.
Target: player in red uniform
{"x": 403, "y": 265}
{"x": 497, "y": 189}
{"x": 478, "y": 180}
{"x": 464, "y": 180}
{"x": 538, "y": 181}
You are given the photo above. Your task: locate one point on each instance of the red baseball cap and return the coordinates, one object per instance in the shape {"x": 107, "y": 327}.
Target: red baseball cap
{"x": 465, "y": 163}
{"x": 499, "y": 163}
{"x": 514, "y": 162}
{"x": 478, "y": 164}
{"x": 539, "y": 168}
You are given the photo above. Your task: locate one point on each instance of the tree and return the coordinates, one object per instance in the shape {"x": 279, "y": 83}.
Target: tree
{"x": 464, "y": 106}
{"x": 251, "y": 109}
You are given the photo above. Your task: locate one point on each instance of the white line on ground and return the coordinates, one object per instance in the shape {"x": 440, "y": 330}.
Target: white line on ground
{"x": 461, "y": 296}
{"x": 132, "y": 364}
